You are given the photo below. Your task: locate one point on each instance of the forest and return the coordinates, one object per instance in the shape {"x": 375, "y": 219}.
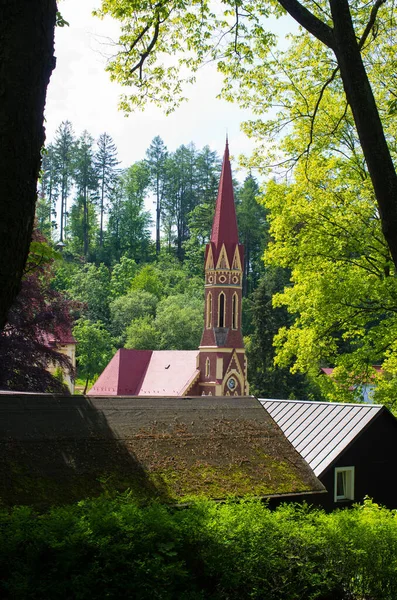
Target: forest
{"x": 130, "y": 273}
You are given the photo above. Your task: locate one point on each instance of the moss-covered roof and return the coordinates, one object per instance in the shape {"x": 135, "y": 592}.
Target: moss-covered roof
{"x": 60, "y": 449}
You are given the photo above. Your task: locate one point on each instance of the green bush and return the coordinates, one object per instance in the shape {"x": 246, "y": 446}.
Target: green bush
{"x": 113, "y": 548}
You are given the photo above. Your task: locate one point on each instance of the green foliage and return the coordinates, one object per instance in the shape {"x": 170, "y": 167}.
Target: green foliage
{"x": 91, "y": 286}
{"x": 142, "y": 334}
{"x": 253, "y": 232}
{"x": 124, "y": 309}
{"x": 325, "y": 228}
{"x": 179, "y": 321}
{"x": 233, "y": 551}
{"x": 266, "y": 379}
{"x": 94, "y": 348}
{"x": 148, "y": 279}
{"x": 122, "y": 276}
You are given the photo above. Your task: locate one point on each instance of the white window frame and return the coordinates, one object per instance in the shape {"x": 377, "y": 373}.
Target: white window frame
{"x": 349, "y": 484}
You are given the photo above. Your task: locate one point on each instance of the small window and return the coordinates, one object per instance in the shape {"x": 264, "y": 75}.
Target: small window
{"x": 221, "y": 315}
{"x": 209, "y": 310}
{"x": 207, "y": 367}
{"x": 344, "y": 484}
{"x": 234, "y": 311}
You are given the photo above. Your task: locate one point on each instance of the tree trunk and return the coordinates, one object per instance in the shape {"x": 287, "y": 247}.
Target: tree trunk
{"x": 86, "y": 386}
{"x": 26, "y": 62}
{"x": 369, "y": 127}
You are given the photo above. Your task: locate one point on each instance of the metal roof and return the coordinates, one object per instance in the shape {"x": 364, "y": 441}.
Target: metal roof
{"x": 320, "y": 431}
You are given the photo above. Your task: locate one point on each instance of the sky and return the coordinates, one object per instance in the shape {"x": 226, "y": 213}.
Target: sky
{"x": 81, "y": 91}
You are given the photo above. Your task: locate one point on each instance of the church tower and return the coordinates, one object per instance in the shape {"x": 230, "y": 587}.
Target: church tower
{"x": 222, "y": 361}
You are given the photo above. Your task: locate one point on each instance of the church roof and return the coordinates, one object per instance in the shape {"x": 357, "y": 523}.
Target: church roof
{"x": 147, "y": 373}
{"x": 59, "y": 449}
{"x": 224, "y": 226}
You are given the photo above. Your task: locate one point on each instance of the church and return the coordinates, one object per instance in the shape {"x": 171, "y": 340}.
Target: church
{"x": 219, "y": 366}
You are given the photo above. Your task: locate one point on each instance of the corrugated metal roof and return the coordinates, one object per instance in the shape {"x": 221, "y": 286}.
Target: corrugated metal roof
{"x": 320, "y": 431}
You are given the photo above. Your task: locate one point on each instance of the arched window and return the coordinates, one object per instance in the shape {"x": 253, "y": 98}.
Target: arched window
{"x": 221, "y": 313}
{"x": 207, "y": 367}
{"x": 235, "y": 311}
{"x": 209, "y": 310}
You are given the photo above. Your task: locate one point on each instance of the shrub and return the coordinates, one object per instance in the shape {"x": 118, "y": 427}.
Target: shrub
{"x": 112, "y": 548}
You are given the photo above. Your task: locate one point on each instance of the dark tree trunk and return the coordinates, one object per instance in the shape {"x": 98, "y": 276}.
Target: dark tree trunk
{"x": 369, "y": 127}
{"x": 343, "y": 41}
{"x": 26, "y": 62}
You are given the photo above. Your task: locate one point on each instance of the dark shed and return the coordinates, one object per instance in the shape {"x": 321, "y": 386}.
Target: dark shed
{"x": 350, "y": 447}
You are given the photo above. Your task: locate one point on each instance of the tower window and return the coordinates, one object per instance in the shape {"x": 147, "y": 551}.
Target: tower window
{"x": 221, "y": 314}
{"x": 234, "y": 311}
{"x": 207, "y": 367}
{"x": 209, "y": 310}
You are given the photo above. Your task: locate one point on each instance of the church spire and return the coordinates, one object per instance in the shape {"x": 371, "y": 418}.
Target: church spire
{"x": 224, "y": 226}
{"x": 221, "y": 362}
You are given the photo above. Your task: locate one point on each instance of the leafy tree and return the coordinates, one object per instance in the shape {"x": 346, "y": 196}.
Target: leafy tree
{"x": 94, "y": 348}
{"x": 122, "y": 275}
{"x": 242, "y": 47}
{"x": 90, "y": 285}
{"x": 63, "y": 153}
{"x": 156, "y": 156}
{"x": 38, "y": 315}
{"x": 142, "y": 334}
{"x": 179, "y": 321}
{"x": 326, "y": 229}
{"x": 105, "y": 164}
{"x": 27, "y": 60}
{"x": 132, "y": 306}
{"x": 148, "y": 279}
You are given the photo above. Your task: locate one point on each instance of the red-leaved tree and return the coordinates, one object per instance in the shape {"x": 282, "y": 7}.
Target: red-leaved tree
{"x": 39, "y": 315}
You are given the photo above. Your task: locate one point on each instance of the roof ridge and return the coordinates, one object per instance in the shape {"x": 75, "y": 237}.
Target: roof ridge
{"x": 361, "y": 404}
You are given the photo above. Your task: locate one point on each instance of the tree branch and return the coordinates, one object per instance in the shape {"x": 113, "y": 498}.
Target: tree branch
{"x": 304, "y": 17}
{"x": 371, "y": 22}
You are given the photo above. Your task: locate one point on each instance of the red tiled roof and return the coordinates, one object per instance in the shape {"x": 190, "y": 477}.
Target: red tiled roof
{"x": 61, "y": 336}
{"x": 224, "y": 226}
{"x": 147, "y": 373}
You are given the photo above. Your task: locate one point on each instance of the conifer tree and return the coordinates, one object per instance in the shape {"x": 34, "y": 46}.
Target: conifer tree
{"x": 64, "y": 147}
{"x": 86, "y": 183}
{"x": 48, "y": 193}
{"x": 156, "y": 156}
{"x": 106, "y": 167}
{"x": 253, "y": 229}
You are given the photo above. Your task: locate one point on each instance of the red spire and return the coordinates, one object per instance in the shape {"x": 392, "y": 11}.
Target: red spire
{"x": 224, "y": 226}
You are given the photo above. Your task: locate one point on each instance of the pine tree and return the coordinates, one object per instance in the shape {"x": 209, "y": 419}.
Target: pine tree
{"x": 86, "y": 183}
{"x": 128, "y": 231}
{"x": 253, "y": 230}
{"x": 181, "y": 192}
{"x": 156, "y": 156}
{"x": 105, "y": 162}
{"x": 64, "y": 147}
{"x": 48, "y": 193}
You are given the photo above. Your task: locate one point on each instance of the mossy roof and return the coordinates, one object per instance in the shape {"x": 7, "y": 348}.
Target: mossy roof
{"x": 60, "y": 449}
